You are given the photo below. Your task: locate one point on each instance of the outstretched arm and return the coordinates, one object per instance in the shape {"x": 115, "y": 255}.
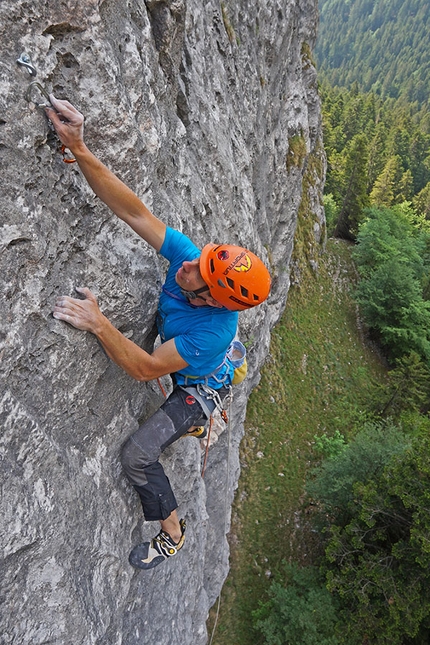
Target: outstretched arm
{"x": 69, "y": 125}
{"x": 86, "y": 315}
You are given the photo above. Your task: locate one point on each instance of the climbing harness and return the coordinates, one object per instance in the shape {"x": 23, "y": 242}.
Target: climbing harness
{"x": 236, "y": 356}
{"x": 35, "y": 91}
{"x": 202, "y": 392}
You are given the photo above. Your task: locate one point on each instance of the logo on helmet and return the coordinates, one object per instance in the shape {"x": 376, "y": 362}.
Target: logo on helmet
{"x": 223, "y": 255}
{"x": 244, "y": 265}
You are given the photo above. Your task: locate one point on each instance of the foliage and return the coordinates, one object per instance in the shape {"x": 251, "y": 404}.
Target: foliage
{"x": 378, "y": 560}
{"x": 391, "y": 260}
{"x": 393, "y": 307}
{"x": 407, "y": 388}
{"x": 330, "y": 446}
{"x": 378, "y": 153}
{"x": 331, "y": 212}
{"x": 352, "y": 183}
{"x": 387, "y": 234}
{"x": 299, "y": 611}
{"x": 393, "y": 185}
{"x": 421, "y": 201}
{"x": 375, "y": 494}
{"x": 332, "y": 483}
{"x": 381, "y": 45}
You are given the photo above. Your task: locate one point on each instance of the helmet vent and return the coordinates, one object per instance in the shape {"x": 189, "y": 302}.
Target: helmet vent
{"x": 244, "y": 291}
{"x": 256, "y": 297}
{"x": 212, "y": 266}
{"x": 221, "y": 283}
{"x": 230, "y": 283}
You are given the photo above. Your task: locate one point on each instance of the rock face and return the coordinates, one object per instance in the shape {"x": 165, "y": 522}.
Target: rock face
{"x": 210, "y": 113}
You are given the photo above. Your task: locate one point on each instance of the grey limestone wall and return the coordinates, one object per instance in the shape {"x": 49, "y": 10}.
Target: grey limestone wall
{"x": 194, "y": 104}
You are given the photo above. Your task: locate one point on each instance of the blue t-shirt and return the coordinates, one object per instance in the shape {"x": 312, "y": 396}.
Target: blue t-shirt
{"x": 202, "y": 334}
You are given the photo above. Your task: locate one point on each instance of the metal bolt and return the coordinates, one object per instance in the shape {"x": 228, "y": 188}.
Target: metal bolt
{"x": 25, "y": 61}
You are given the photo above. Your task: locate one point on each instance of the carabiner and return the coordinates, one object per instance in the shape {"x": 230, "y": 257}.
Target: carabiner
{"x": 29, "y": 95}
{"x": 66, "y": 159}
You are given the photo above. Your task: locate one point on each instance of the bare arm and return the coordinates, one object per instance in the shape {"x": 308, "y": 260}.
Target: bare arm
{"x": 69, "y": 125}
{"x": 86, "y": 315}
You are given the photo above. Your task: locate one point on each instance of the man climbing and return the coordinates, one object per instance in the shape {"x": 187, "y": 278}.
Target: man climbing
{"x": 197, "y": 321}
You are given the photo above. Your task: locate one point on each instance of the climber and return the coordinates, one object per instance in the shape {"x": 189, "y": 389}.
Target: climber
{"x": 197, "y": 321}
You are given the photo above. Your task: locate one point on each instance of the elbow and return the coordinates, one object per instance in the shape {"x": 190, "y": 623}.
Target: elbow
{"x": 143, "y": 378}
{"x": 149, "y": 370}
{"x": 138, "y": 375}
{"x": 146, "y": 376}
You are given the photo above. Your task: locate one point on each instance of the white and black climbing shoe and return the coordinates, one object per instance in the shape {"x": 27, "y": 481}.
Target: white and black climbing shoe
{"x": 150, "y": 554}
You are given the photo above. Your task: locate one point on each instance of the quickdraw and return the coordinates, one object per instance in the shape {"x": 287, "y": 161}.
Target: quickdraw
{"x": 34, "y": 92}
{"x": 31, "y": 95}
{"x": 66, "y": 159}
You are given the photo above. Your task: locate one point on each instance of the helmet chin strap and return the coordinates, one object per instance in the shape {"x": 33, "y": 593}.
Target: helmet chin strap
{"x": 192, "y": 295}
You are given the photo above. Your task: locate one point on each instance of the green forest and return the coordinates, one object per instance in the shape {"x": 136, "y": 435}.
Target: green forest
{"x": 378, "y": 154}
{"x": 340, "y": 552}
{"x": 380, "y": 44}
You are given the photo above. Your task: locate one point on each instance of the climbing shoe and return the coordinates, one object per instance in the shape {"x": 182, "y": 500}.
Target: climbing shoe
{"x": 150, "y": 554}
{"x": 200, "y": 433}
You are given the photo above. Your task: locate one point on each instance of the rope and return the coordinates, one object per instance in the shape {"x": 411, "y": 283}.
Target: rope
{"x": 207, "y": 445}
{"x": 162, "y": 388}
{"x": 225, "y": 506}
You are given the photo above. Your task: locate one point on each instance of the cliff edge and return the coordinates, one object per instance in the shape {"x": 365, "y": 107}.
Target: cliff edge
{"x": 210, "y": 113}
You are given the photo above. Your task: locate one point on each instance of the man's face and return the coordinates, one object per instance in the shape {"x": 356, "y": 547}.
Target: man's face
{"x": 188, "y": 278}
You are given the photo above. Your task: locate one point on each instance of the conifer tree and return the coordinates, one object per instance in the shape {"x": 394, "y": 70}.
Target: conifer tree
{"x": 379, "y": 561}
{"x": 407, "y": 388}
{"x": 384, "y": 188}
{"x": 404, "y": 191}
{"x": 421, "y": 202}
{"x": 377, "y": 153}
{"x": 354, "y": 194}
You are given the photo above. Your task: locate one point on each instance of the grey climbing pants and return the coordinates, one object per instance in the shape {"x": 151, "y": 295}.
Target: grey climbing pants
{"x": 141, "y": 452}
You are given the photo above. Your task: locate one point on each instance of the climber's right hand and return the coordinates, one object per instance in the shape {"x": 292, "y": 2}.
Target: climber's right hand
{"x": 84, "y": 314}
{"x": 68, "y": 123}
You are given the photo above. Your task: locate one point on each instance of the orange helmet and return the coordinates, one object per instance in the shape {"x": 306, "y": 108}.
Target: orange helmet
{"x": 236, "y": 277}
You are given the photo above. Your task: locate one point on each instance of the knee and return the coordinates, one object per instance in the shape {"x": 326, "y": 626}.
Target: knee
{"x": 133, "y": 458}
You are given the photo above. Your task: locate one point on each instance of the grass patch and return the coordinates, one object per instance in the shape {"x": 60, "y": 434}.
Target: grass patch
{"x": 316, "y": 377}
{"x": 296, "y": 151}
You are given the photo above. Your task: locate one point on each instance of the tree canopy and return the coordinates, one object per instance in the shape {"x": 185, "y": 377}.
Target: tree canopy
{"x": 378, "y": 153}
{"x": 382, "y": 45}
{"x": 393, "y": 265}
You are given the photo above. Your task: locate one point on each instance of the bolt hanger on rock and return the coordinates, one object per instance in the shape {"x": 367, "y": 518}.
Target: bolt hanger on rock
{"x": 25, "y": 61}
